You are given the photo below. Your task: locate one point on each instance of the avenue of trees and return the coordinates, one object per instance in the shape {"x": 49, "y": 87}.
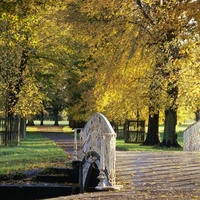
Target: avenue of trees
{"x": 34, "y": 51}
{"x": 121, "y": 58}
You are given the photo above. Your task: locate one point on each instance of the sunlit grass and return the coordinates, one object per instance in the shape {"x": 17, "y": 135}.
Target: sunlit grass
{"x": 67, "y": 129}
{"x": 121, "y": 145}
{"x": 63, "y": 124}
{"x": 33, "y": 152}
{"x": 51, "y": 123}
{"x": 31, "y": 128}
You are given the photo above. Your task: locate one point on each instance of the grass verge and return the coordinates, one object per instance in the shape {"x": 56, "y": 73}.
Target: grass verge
{"x": 33, "y": 152}
{"x": 122, "y": 146}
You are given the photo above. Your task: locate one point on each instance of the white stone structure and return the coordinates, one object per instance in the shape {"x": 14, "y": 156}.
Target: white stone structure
{"x": 191, "y": 138}
{"x": 99, "y": 144}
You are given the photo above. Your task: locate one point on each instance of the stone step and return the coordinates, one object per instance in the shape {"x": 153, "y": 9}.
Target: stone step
{"x": 49, "y": 183}
{"x": 52, "y": 170}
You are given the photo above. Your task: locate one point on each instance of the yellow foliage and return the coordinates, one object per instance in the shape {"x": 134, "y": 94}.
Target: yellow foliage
{"x": 141, "y": 54}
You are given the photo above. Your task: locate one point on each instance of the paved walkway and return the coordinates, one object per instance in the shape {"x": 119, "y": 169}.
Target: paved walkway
{"x": 147, "y": 175}
{"x": 160, "y": 175}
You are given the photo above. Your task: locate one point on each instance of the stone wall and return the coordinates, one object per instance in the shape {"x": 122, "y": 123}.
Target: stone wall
{"x": 191, "y": 138}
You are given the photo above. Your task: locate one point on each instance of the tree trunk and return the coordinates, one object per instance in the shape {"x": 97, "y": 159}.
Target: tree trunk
{"x": 152, "y": 133}
{"x": 56, "y": 117}
{"x": 7, "y": 131}
{"x": 197, "y": 115}
{"x": 23, "y": 128}
{"x": 42, "y": 119}
{"x": 18, "y": 122}
{"x": 8, "y": 124}
{"x": 30, "y": 122}
{"x": 170, "y": 136}
{"x": 2, "y": 127}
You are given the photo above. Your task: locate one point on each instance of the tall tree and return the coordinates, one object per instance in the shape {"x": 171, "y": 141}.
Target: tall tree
{"x": 112, "y": 43}
{"x": 130, "y": 43}
{"x": 168, "y": 35}
{"x": 18, "y": 43}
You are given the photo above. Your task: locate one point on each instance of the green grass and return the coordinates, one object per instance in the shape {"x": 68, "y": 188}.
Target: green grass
{"x": 64, "y": 124}
{"x": 122, "y": 146}
{"x": 33, "y": 152}
{"x": 67, "y": 129}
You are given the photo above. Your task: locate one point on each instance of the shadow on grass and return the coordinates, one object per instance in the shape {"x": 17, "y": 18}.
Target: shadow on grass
{"x": 33, "y": 152}
{"x": 122, "y": 146}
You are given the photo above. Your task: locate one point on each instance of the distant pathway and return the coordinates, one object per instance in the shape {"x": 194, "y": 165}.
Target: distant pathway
{"x": 146, "y": 175}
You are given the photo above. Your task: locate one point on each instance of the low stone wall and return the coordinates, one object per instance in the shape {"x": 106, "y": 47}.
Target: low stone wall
{"x": 191, "y": 138}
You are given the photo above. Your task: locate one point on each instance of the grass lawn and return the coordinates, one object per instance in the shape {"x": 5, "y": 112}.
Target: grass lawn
{"x": 33, "y": 152}
{"x": 138, "y": 147}
{"x": 122, "y": 146}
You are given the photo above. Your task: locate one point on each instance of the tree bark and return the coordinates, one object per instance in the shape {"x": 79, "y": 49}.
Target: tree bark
{"x": 9, "y": 129}
{"x": 42, "y": 119}
{"x": 56, "y": 117}
{"x": 30, "y": 122}
{"x": 170, "y": 136}
{"x": 14, "y": 88}
{"x": 152, "y": 133}
{"x": 23, "y": 128}
{"x": 197, "y": 115}
{"x": 19, "y": 129}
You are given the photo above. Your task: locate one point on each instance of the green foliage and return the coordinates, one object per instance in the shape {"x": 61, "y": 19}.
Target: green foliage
{"x": 122, "y": 146}
{"x": 33, "y": 152}
{"x": 24, "y": 33}
{"x": 115, "y": 57}
{"x": 30, "y": 43}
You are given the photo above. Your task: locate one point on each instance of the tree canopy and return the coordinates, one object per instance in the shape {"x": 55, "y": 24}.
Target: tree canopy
{"x": 32, "y": 42}
{"x": 121, "y": 58}
{"x": 128, "y": 41}
{"x": 143, "y": 55}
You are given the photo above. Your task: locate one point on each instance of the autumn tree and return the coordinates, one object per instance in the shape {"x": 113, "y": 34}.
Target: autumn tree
{"x": 53, "y": 85}
{"x": 19, "y": 41}
{"x": 107, "y": 33}
{"x": 140, "y": 58}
